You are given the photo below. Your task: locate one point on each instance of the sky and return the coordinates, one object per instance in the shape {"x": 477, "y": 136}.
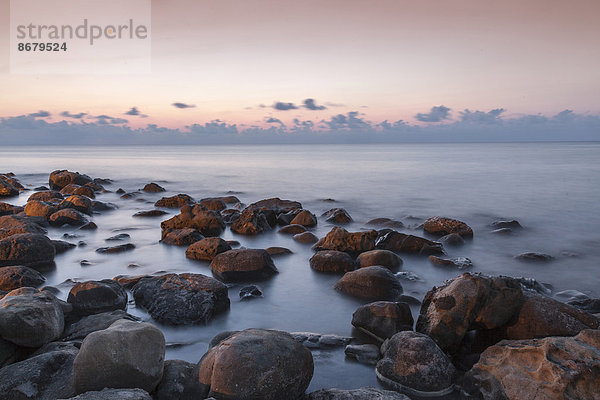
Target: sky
{"x": 439, "y": 67}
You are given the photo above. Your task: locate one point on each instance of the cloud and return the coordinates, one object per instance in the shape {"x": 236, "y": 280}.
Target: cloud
{"x": 481, "y": 117}
{"x": 133, "y": 111}
{"x": 330, "y": 104}
{"x": 349, "y": 121}
{"x": 74, "y": 116}
{"x": 436, "y": 114}
{"x": 309, "y": 104}
{"x": 280, "y": 106}
{"x": 272, "y": 120}
{"x": 183, "y": 105}
{"x": 108, "y": 120}
{"x": 40, "y": 114}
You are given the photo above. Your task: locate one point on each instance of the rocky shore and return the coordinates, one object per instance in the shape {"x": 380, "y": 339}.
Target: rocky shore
{"x": 475, "y": 337}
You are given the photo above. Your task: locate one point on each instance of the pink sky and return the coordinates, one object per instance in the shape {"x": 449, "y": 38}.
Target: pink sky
{"x": 388, "y": 59}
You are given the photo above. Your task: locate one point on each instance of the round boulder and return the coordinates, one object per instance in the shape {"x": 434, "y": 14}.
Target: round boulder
{"x": 93, "y": 297}
{"x": 351, "y": 242}
{"x": 37, "y": 208}
{"x": 305, "y": 238}
{"x": 60, "y": 178}
{"x": 181, "y": 237}
{"x": 385, "y": 258}
{"x": 337, "y": 216}
{"x": 153, "y": 188}
{"x": 26, "y": 249}
{"x": 445, "y": 226}
{"x": 383, "y": 319}
{"x": 208, "y": 223}
{"x": 206, "y": 249}
{"x": 292, "y": 229}
{"x": 373, "y": 283}
{"x": 67, "y": 216}
{"x": 46, "y": 195}
{"x": 79, "y": 203}
{"x": 243, "y": 264}
{"x": 15, "y": 277}
{"x": 305, "y": 218}
{"x": 332, "y": 261}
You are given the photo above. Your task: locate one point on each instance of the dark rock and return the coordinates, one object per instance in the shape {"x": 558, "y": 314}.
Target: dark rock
{"x": 457, "y": 262}
{"x": 60, "y": 178}
{"x": 95, "y": 322}
{"x": 15, "y": 277}
{"x": 50, "y": 196}
{"x": 113, "y": 394}
{"x": 514, "y": 224}
{"x": 67, "y": 216}
{"x": 534, "y": 257}
{"x": 286, "y": 219}
{"x": 208, "y": 223}
{"x": 249, "y": 292}
{"x": 305, "y": 218}
{"x": 383, "y": 319}
{"x": 367, "y": 393}
{"x": 120, "y": 191}
{"x": 93, "y": 297}
{"x": 150, "y": 213}
{"x": 116, "y": 249}
{"x": 61, "y": 246}
{"x": 181, "y": 237}
{"x": 277, "y": 251}
{"x": 402, "y": 243}
{"x": 313, "y": 340}
{"x": 10, "y": 353}
{"x": 385, "y": 258}
{"x": 332, "y": 261}
{"x": 99, "y": 206}
{"x": 119, "y": 237}
{"x": 153, "y": 188}
{"x": 207, "y": 249}
{"x": 78, "y": 190}
{"x": 15, "y": 224}
{"x": 363, "y": 353}
{"x": 9, "y": 209}
{"x": 79, "y": 203}
{"x": 177, "y": 201}
{"x": 386, "y": 223}
{"x": 444, "y": 226}
{"x": 305, "y": 238}
{"x": 591, "y": 306}
{"x": 90, "y": 226}
{"x": 453, "y": 239}
{"x": 337, "y": 216}
{"x": 179, "y": 381}
{"x": 502, "y": 231}
{"x": 341, "y": 240}
{"x": 243, "y": 264}
{"x": 26, "y": 249}
{"x": 37, "y": 208}
{"x": 213, "y": 204}
{"x": 251, "y": 222}
{"x": 128, "y": 281}
{"x": 7, "y": 190}
{"x": 292, "y": 229}
{"x": 373, "y": 283}
{"x": 277, "y": 205}
{"x": 230, "y": 216}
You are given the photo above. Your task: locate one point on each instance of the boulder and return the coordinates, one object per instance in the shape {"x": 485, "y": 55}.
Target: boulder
{"x": 412, "y": 363}
{"x": 99, "y": 206}
{"x": 208, "y": 223}
{"x": 385, "y": 258}
{"x": 277, "y": 205}
{"x": 181, "y": 237}
{"x": 93, "y": 297}
{"x": 243, "y": 264}
{"x": 341, "y": 240}
{"x": 60, "y": 178}
{"x": 278, "y": 251}
{"x": 383, "y": 319}
{"x": 206, "y": 249}
{"x": 373, "y": 283}
{"x": 286, "y": 219}
{"x": 113, "y": 394}
{"x": 9, "y": 209}
{"x": 126, "y": 355}
{"x": 38, "y": 208}
{"x": 501, "y": 224}
{"x": 250, "y": 222}
{"x": 256, "y": 364}
{"x": 230, "y": 215}
{"x": 402, "y": 243}
{"x": 47, "y": 195}
{"x": 386, "y": 223}
{"x": 332, "y": 261}
{"x": 60, "y": 246}
{"x": 30, "y": 318}
{"x": 363, "y": 353}
{"x": 176, "y": 201}
{"x": 591, "y": 306}
{"x": 79, "y": 203}
{"x": 292, "y": 229}
{"x": 550, "y": 368}
{"x": 118, "y": 238}
{"x": 456, "y": 262}
{"x": 19, "y": 276}
{"x": 95, "y": 322}
{"x": 181, "y": 299}
{"x": 7, "y": 190}
{"x": 444, "y": 226}
{"x": 116, "y": 249}
{"x": 26, "y": 249}
{"x": 150, "y": 213}
{"x": 90, "y": 226}
{"x": 67, "y": 216}
{"x": 305, "y": 238}
{"x": 314, "y": 340}
{"x": 16, "y": 224}
{"x": 534, "y": 257}
{"x": 337, "y": 216}
{"x": 153, "y": 188}
{"x": 78, "y": 190}
{"x": 250, "y": 292}
{"x": 453, "y": 239}
{"x": 214, "y": 204}
{"x": 305, "y": 218}
{"x": 179, "y": 381}
{"x": 367, "y": 393}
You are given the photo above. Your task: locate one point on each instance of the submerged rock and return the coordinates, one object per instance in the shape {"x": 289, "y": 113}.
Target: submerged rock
{"x": 314, "y": 340}
{"x": 373, "y": 283}
{"x": 383, "y": 319}
{"x": 116, "y": 249}
{"x": 363, "y": 353}
{"x": 514, "y": 224}
{"x": 337, "y": 216}
{"x": 243, "y": 264}
{"x": 153, "y": 188}
{"x": 332, "y": 261}
{"x": 292, "y": 229}
{"x": 176, "y": 201}
{"x": 250, "y": 292}
{"x": 402, "y": 243}
{"x": 453, "y": 239}
{"x": 150, "y": 213}
{"x": 445, "y": 226}
{"x": 278, "y": 251}
{"x": 457, "y": 262}
{"x": 534, "y": 257}
{"x": 305, "y": 238}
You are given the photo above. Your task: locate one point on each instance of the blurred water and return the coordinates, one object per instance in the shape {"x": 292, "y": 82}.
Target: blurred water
{"x": 552, "y": 189}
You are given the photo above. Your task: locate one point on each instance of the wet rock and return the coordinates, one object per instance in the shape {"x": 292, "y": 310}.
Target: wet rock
{"x": 176, "y": 201}
{"x": 93, "y": 297}
{"x": 48, "y": 195}
{"x": 385, "y": 258}
{"x": 292, "y": 229}
{"x": 10, "y": 353}
{"x": 314, "y": 340}
{"x": 337, "y": 216}
{"x": 127, "y": 355}
{"x": 534, "y": 257}
{"x": 26, "y": 249}
{"x": 90, "y": 226}
{"x": 243, "y": 264}
{"x": 305, "y": 238}
{"x": 179, "y": 381}
{"x": 249, "y": 292}
{"x": 412, "y": 363}
{"x": 9, "y": 209}
{"x": 61, "y": 246}
{"x": 112, "y": 394}
{"x": 131, "y": 195}
{"x": 408, "y": 276}
{"x": 533, "y": 286}
{"x": 37, "y": 208}
{"x": 513, "y": 225}
{"x": 502, "y": 231}
{"x": 471, "y": 301}
{"x": 208, "y": 223}
{"x": 286, "y": 219}
{"x": 181, "y": 299}
{"x": 367, "y": 393}
{"x": 129, "y": 281}
{"x": 116, "y": 249}
{"x": 15, "y": 277}
{"x": 241, "y": 367}
{"x": 95, "y": 322}
{"x": 67, "y": 216}
{"x": 120, "y": 191}
{"x": 305, "y": 218}
{"x": 453, "y": 239}
{"x": 78, "y": 190}
{"x": 99, "y": 206}
{"x": 60, "y": 178}
{"x": 383, "y": 319}
{"x": 456, "y": 262}
{"x": 341, "y": 240}
{"x": 15, "y": 224}
{"x": 79, "y": 203}
{"x": 332, "y": 261}
{"x": 386, "y": 223}
{"x": 118, "y": 238}
{"x": 373, "y": 283}
{"x": 591, "y": 306}
{"x": 250, "y": 222}
{"x": 153, "y": 188}
{"x": 214, "y": 204}
{"x": 181, "y": 237}
{"x": 278, "y": 251}
{"x": 30, "y": 318}
{"x": 568, "y": 295}
{"x": 444, "y": 226}
{"x": 402, "y": 243}
{"x": 363, "y": 353}
{"x": 277, "y": 205}
{"x": 550, "y": 368}
{"x": 7, "y": 190}
{"x": 150, "y": 213}
{"x": 95, "y": 186}
{"x": 207, "y": 249}
{"x": 230, "y": 215}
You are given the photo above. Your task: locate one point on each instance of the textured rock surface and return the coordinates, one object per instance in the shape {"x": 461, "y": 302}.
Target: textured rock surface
{"x": 337, "y": 216}
{"x": 383, "y": 319}
{"x": 243, "y": 264}
{"x": 26, "y": 249}
{"x": 385, "y": 258}
{"x": 60, "y": 178}
{"x": 19, "y": 276}
{"x": 113, "y": 394}
{"x": 176, "y": 201}
{"x": 445, "y": 226}
{"x": 92, "y": 323}
{"x": 373, "y": 283}
{"x": 15, "y": 224}
{"x": 356, "y": 394}
{"x": 402, "y": 243}
{"x": 207, "y": 249}
{"x": 340, "y": 239}
{"x": 67, "y": 216}
{"x": 179, "y": 381}
{"x": 332, "y": 261}
{"x": 305, "y": 218}
{"x": 250, "y": 222}
{"x": 208, "y": 223}
{"x": 181, "y": 237}
{"x": 93, "y": 297}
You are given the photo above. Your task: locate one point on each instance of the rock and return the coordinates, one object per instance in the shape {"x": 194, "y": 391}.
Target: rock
{"x": 402, "y": 243}
{"x": 95, "y": 186}
{"x": 119, "y": 237}
{"x": 79, "y": 203}
{"x": 60, "y": 178}
{"x": 383, "y": 319}
{"x": 179, "y": 381}
{"x": 386, "y": 223}
{"x": 207, "y": 249}
{"x": 99, "y": 206}
{"x": 126, "y": 355}
{"x": 37, "y": 208}
{"x": 26, "y": 249}
{"x": 230, "y": 216}
{"x": 153, "y": 188}
{"x": 208, "y": 223}
{"x": 502, "y": 231}
{"x": 132, "y": 195}
{"x": 256, "y": 364}
{"x": 250, "y": 222}
{"x": 337, "y": 216}
{"x": 514, "y": 224}
{"x": 116, "y": 249}
{"x": 15, "y": 224}
{"x": 305, "y": 238}
{"x": 412, "y": 363}
{"x": 277, "y": 205}
{"x": 90, "y": 226}
{"x": 332, "y": 261}
{"x": 150, "y": 213}
{"x": 93, "y": 297}
{"x": 243, "y": 264}
{"x": 15, "y": 277}
{"x": 453, "y": 239}
{"x": 181, "y": 237}
{"x": 292, "y": 229}
{"x": 48, "y": 195}
{"x": 10, "y": 353}
{"x": 305, "y": 218}
{"x": 214, "y": 204}
{"x": 534, "y": 257}
{"x": 286, "y": 219}
{"x": 78, "y": 190}
{"x": 177, "y": 201}
{"x": 120, "y": 191}
{"x": 367, "y": 393}
{"x": 47, "y": 376}
{"x": 444, "y": 226}
{"x": 112, "y": 394}
{"x": 385, "y": 258}
{"x": 568, "y": 295}
{"x": 591, "y": 306}
{"x": 363, "y": 353}
{"x": 95, "y": 322}
{"x": 128, "y": 281}
{"x": 9, "y": 209}
{"x": 278, "y": 251}
{"x": 30, "y": 318}
{"x": 550, "y": 368}
{"x": 471, "y": 301}
{"x": 373, "y": 283}
{"x": 181, "y": 299}
{"x": 60, "y": 246}
{"x": 7, "y": 190}
{"x": 457, "y": 262}
{"x": 249, "y": 292}
{"x": 313, "y": 340}
{"x": 341, "y": 240}
{"x": 67, "y": 216}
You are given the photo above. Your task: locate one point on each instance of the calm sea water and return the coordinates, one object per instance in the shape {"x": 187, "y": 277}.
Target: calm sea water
{"x": 552, "y": 189}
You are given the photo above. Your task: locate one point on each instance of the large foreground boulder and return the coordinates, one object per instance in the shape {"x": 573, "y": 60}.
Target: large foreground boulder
{"x": 67, "y": 216}
{"x": 538, "y": 369}
{"x": 403, "y": 243}
{"x": 92, "y": 323}
{"x": 19, "y": 276}
{"x": 340, "y": 239}
{"x": 7, "y": 190}
{"x": 9, "y": 209}
{"x": 208, "y": 223}
{"x": 126, "y": 355}
{"x": 256, "y": 364}
{"x": 243, "y": 264}
{"x": 179, "y": 381}
{"x": 113, "y": 394}
{"x": 26, "y": 249}
{"x": 372, "y": 283}
{"x": 93, "y": 297}
{"x": 445, "y": 226}
{"x": 383, "y": 319}
{"x": 60, "y": 178}
{"x": 181, "y": 299}
{"x": 367, "y": 393}
{"x": 332, "y": 261}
